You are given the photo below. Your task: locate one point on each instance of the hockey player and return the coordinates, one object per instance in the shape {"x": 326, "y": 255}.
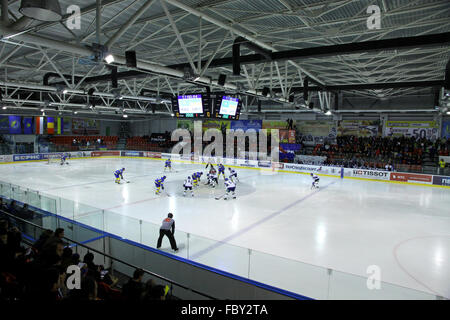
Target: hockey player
{"x": 168, "y": 165}
{"x": 221, "y": 170}
{"x": 230, "y": 189}
{"x": 213, "y": 179}
{"x": 64, "y": 159}
{"x": 159, "y": 184}
{"x": 188, "y": 186}
{"x": 118, "y": 174}
{"x": 195, "y": 179}
{"x": 233, "y": 174}
{"x": 315, "y": 183}
{"x": 209, "y": 164}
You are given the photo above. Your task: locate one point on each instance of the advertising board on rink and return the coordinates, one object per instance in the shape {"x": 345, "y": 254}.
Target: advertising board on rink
{"x": 411, "y": 177}
{"x": 441, "y": 181}
{"x": 367, "y": 174}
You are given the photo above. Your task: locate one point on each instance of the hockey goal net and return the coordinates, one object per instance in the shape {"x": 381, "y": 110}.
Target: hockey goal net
{"x": 54, "y": 158}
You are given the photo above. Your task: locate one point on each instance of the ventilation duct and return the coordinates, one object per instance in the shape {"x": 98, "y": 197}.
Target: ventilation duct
{"x": 43, "y": 10}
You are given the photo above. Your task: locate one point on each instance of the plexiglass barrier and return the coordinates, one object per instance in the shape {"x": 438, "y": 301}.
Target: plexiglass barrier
{"x": 82, "y": 222}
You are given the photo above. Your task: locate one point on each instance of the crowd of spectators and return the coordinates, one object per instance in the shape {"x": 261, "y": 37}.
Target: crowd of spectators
{"x": 40, "y": 272}
{"x": 363, "y": 152}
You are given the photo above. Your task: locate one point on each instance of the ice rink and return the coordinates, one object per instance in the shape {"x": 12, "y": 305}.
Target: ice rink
{"x": 346, "y": 225}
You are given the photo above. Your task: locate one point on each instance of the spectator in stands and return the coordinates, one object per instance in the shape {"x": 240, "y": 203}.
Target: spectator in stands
{"x": 159, "y": 293}
{"x": 57, "y": 237}
{"x": 133, "y": 290}
{"x": 45, "y": 236}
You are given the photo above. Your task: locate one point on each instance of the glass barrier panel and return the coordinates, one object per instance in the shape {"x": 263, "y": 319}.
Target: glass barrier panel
{"x": 18, "y": 193}
{"x": 5, "y": 189}
{"x": 219, "y": 255}
{"x": 33, "y": 198}
{"x": 345, "y": 286}
{"x": 301, "y": 278}
{"x": 47, "y": 204}
{"x": 123, "y": 226}
{"x": 66, "y": 208}
{"x": 93, "y": 219}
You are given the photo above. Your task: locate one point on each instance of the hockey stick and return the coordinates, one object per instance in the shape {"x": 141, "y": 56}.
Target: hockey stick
{"x": 220, "y": 197}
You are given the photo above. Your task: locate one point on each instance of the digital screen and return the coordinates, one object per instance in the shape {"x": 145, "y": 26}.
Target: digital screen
{"x": 229, "y": 106}
{"x": 191, "y": 104}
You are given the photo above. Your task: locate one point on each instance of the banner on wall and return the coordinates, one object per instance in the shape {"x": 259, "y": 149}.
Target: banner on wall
{"x": 216, "y": 124}
{"x": 287, "y": 150}
{"x": 441, "y": 181}
{"x": 246, "y": 125}
{"x": 185, "y": 124}
{"x": 50, "y": 125}
{"x": 4, "y": 125}
{"x": 416, "y": 129}
{"x": 268, "y": 125}
{"x": 445, "y": 130}
{"x": 411, "y": 177}
{"x": 359, "y": 128}
{"x": 317, "y": 131}
{"x": 15, "y": 126}
{"x": 27, "y": 125}
{"x": 287, "y": 136}
{"x": 85, "y": 126}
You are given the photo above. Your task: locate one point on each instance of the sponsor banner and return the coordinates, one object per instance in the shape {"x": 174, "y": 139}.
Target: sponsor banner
{"x": 6, "y": 158}
{"x": 411, "y": 177}
{"x": 221, "y": 125}
{"x": 131, "y": 153}
{"x": 85, "y": 126}
{"x": 277, "y": 165}
{"x": 152, "y": 154}
{"x": 105, "y": 153}
{"x": 416, "y": 129}
{"x": 368, "y": 174}
{"x": 246, "y": 125}
{"x": 311, "y": 160}
{"x": 170, "y": 156}
{"x": 359, "y": 128}
{"x": 4, "y": 124}
{"x": 287, "y": 150}
{"x": 267, "y": 124}
{"x": 80, "y": 154}
{"x": 265, "y": 164}
{"x": 445, "y": 129}
{"x": 157, "y": 137}
{"x": 441, "y": 181}
{"x": 316, "y": 131}
{"x": 247, "y": 163}
{"x": 185, "y": 124}
{"x": 190, "y": 158}
{"x": 28, "y": 157}
{"x": 335, "y": 171}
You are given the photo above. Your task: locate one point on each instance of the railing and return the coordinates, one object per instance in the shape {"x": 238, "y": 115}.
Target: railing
{"x": 27, "y": 228}
{"x": 295, "y": 276}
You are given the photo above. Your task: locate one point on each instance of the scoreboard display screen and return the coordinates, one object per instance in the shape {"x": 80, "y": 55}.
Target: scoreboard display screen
{"x": 190, "y": 106}
{"x": 227, "y": 107}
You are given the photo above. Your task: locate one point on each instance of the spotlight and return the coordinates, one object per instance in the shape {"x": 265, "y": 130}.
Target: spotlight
{"x": 109, "y": 58}
{"x": 42, "y": 110}
{"x": 328, "y": 113}
{"x": 75, "y": 112}
{"x": 65, "y": 91}
{"x": 4, "y": 108}
{"x": 125, "y": 116}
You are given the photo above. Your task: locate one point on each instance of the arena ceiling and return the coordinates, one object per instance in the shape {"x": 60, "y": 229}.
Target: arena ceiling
{"x": 183, "y": 46}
